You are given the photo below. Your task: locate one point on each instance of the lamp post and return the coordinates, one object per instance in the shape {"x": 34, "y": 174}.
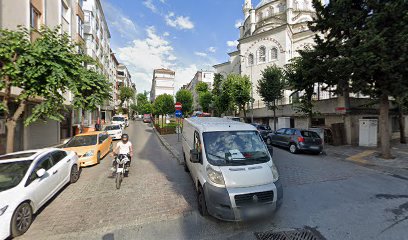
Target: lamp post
{"x": 252, "y": 90}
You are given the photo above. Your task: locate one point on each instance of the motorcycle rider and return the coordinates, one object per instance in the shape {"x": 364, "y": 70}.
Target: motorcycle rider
{"x": 124, "y": 147}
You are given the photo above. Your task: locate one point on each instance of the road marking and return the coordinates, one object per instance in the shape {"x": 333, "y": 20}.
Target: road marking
{"x": 359, "y": 158}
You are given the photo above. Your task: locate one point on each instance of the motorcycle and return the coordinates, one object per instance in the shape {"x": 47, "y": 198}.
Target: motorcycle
{"x": 121, "y": 168}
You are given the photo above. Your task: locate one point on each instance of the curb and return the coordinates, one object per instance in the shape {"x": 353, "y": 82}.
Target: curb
{"x": 173, "y": 151}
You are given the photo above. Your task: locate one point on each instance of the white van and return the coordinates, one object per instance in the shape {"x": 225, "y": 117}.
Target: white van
{"x": 231, "y": 167}
{"x": 119, "y": 120}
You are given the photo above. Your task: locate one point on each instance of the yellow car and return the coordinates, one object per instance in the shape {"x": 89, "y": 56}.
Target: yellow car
{"x": 91, "y": 147}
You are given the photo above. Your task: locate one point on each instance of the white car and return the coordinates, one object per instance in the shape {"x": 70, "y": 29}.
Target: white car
{"x": 119, "y": 120}
{"x": 115, "y": 131}
{"x": 28, "y": 180}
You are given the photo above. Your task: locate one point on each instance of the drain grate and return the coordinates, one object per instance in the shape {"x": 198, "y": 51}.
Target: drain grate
{"x": 288, "y": 235}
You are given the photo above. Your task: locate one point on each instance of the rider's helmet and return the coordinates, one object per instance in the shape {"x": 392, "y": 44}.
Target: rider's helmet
{"x": 125, "y": 138}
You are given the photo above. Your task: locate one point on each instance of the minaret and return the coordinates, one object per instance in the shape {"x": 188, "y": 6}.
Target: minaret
{"x": 247, "y": 8}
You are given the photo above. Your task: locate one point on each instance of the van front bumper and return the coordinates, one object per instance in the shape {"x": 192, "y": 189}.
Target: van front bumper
{"x": 222, "y": 205}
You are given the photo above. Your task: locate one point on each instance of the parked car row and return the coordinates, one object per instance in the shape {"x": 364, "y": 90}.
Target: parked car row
{"x": 296, "y": 140}
{"x": 27, "y": 181}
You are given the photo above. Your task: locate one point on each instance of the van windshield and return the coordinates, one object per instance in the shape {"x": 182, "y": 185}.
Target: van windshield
{"x": 118, "y": 119}
{"x": 235, "y": 148}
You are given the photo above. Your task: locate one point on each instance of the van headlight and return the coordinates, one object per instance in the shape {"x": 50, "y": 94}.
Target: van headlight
{"x": 89, "y": 154}
{"x": 275, "y": 173}
{"x": 215, "y": 176}
{"x": 2, "y": 210}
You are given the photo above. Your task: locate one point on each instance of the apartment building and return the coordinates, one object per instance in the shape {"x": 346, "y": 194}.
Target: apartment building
{"x": 34, "y": 14}
{"x": 123, "y": 79}
{"x": 201, "y": 76}
{"x": 162, "y": 83}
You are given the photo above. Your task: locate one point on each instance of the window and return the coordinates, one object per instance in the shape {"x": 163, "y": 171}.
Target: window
{"x": 290, "y": 131}
{"x": 262, "y": 54}
{"x": 58, "y": 156}
{"x": 251, "y": 59}
{"x": 45, "y": 163}
{"x": 274, "y": 53}
{"x": 80, "y": 27}
{"x": 281, "y": 131}
{"x": 35, "y": 16}
{"x": 102, "y": 137}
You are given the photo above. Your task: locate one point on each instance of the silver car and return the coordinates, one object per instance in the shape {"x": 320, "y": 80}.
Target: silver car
{"x": 296, "y": 140}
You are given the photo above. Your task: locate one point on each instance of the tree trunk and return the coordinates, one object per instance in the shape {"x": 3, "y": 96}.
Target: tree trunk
{"x": 11, "y": 127}
{"x": 245, "y": 116}
{"x": 403, "y": 140}
{"x": 81, "y": 127}
{"x": 11, "y": 124}
{"x": 384, "y": 127}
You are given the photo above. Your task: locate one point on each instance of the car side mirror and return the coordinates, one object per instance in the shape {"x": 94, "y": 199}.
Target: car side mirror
{"x": 270, "y": 149}
{"x": 40, "y": 173}
{"x": 194, "y": 156}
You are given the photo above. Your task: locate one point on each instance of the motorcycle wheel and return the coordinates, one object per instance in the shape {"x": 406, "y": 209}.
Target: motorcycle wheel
{"x": 118, "y": 180}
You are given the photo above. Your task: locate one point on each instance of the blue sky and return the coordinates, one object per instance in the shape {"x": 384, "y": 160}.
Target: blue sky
{"x": 184, "y": 35}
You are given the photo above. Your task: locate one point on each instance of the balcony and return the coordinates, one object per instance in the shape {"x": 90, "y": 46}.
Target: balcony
{"x": 80, "y": 40}
{"x": 65, "y": 25}
{"x": 80, "y": 12}
{"x": 97, "y": 40}
{"x": 87, "y": 28}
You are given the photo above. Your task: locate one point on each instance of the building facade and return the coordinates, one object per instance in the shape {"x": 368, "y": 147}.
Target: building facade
{"x": 201, "y": 76}
{"x": 162, "y": 83}
{"x": 272, "y": 33}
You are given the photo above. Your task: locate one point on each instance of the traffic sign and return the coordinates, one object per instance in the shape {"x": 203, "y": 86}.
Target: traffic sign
{"x": 178, "y": 106}
{"x": 179, "y": 113}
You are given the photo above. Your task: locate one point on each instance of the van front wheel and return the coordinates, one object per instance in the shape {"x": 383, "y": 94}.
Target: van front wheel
{"x": 202, "y": 206}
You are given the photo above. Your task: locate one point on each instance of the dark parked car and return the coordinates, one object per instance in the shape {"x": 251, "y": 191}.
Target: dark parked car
{"x": 263, "y": 129}
{"x": 296, "y": 140}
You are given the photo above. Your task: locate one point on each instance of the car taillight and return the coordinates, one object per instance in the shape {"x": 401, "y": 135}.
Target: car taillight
{"x": 301, "y": 139}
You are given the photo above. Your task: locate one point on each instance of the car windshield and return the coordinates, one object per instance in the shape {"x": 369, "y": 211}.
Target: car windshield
{"x": 114, "y": 127}
{"x": 309, "y": 134}
{"x": 12, "y": 173}
{"x": 80, "y": 141}
{"x": 118, "y": 119}
{"x": 235, "y": 148}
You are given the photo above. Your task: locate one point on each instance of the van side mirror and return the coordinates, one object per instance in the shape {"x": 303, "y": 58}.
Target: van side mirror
{"x": 194, "y": 156}
{"x": 270, "y": 149}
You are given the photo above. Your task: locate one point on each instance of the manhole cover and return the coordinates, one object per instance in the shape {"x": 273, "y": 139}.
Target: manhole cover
{"x": 288, "y": 235}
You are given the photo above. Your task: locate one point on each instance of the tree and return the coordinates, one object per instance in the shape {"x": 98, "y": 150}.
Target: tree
{"x": 164, "y": 104}
{"x": 143, "y": 105}
{"x": 205, "y": 100}
{"x": 369, "y": 39}
{"x": 270, "y": 88}
{"x": 201, "y": 87}
{"x": 185, "y": 97}
{"x": 125, "y": 94}
{"x": 220, "y": 100}
{"x": 300, "y": 79}
{"x": 44, "y": 70}
{"x": 237, "y": 89}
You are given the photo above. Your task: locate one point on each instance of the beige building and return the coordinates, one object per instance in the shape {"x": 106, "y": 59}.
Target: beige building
{"x": 162, "y": 83}
{"x": 200, "y": 76}
{"x": 33, "y": 14}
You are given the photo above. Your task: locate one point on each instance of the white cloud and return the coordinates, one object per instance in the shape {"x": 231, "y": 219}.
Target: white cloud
{"x": 201, "y": 54}
{"x": 149, "y": 4}
{"x": 166, "y": 34}
{"x": 238, "y": 23}
{"x": 162, "y": 1}
{"x": 232, "y": 43}
{"x": 180, "y": 22}
{"x": 120, "y": 22}
{"x": 212, "y": 49}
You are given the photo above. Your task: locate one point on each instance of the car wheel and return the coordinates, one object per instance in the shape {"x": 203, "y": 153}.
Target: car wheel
{"x": 98, "y": 158}
{"x": 293, "y": 149}
{"x": 202, "y": 206}
{"x": 21, "y": 220}
{"x": 74, "y": 174}
{"x": 268, "y": 141}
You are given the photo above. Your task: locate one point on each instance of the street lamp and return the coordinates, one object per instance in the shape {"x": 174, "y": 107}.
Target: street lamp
{"x": 252, "y": 90}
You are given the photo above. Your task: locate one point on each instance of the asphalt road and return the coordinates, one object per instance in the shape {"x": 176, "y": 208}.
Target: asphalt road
{"x": 338, "y": 199}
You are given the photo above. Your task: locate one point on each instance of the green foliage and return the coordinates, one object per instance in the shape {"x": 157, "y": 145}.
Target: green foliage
{"x": 185, "y": 97}
{"x": 143, "y": 105}
{"x": 205, "y": 100}
{"x": 126, "y": 94}
{"x": 271, "y": 86}
{"x": 236, "y": 90}
{"x": 220, "y": 101}
{"x": 201, "y": 87}
{"x": 164, "y": 104}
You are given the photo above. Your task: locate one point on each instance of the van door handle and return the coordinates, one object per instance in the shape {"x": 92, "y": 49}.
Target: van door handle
{"x": 55, "y": 172}
{"x": 69, "y": 160}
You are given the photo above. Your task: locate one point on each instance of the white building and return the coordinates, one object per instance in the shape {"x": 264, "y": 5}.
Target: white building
{"x": 162, "y": 83}
{"x": 200, "y": 76}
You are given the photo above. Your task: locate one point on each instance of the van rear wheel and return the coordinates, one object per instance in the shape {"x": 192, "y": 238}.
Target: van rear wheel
{"x": 202, "y": 206}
